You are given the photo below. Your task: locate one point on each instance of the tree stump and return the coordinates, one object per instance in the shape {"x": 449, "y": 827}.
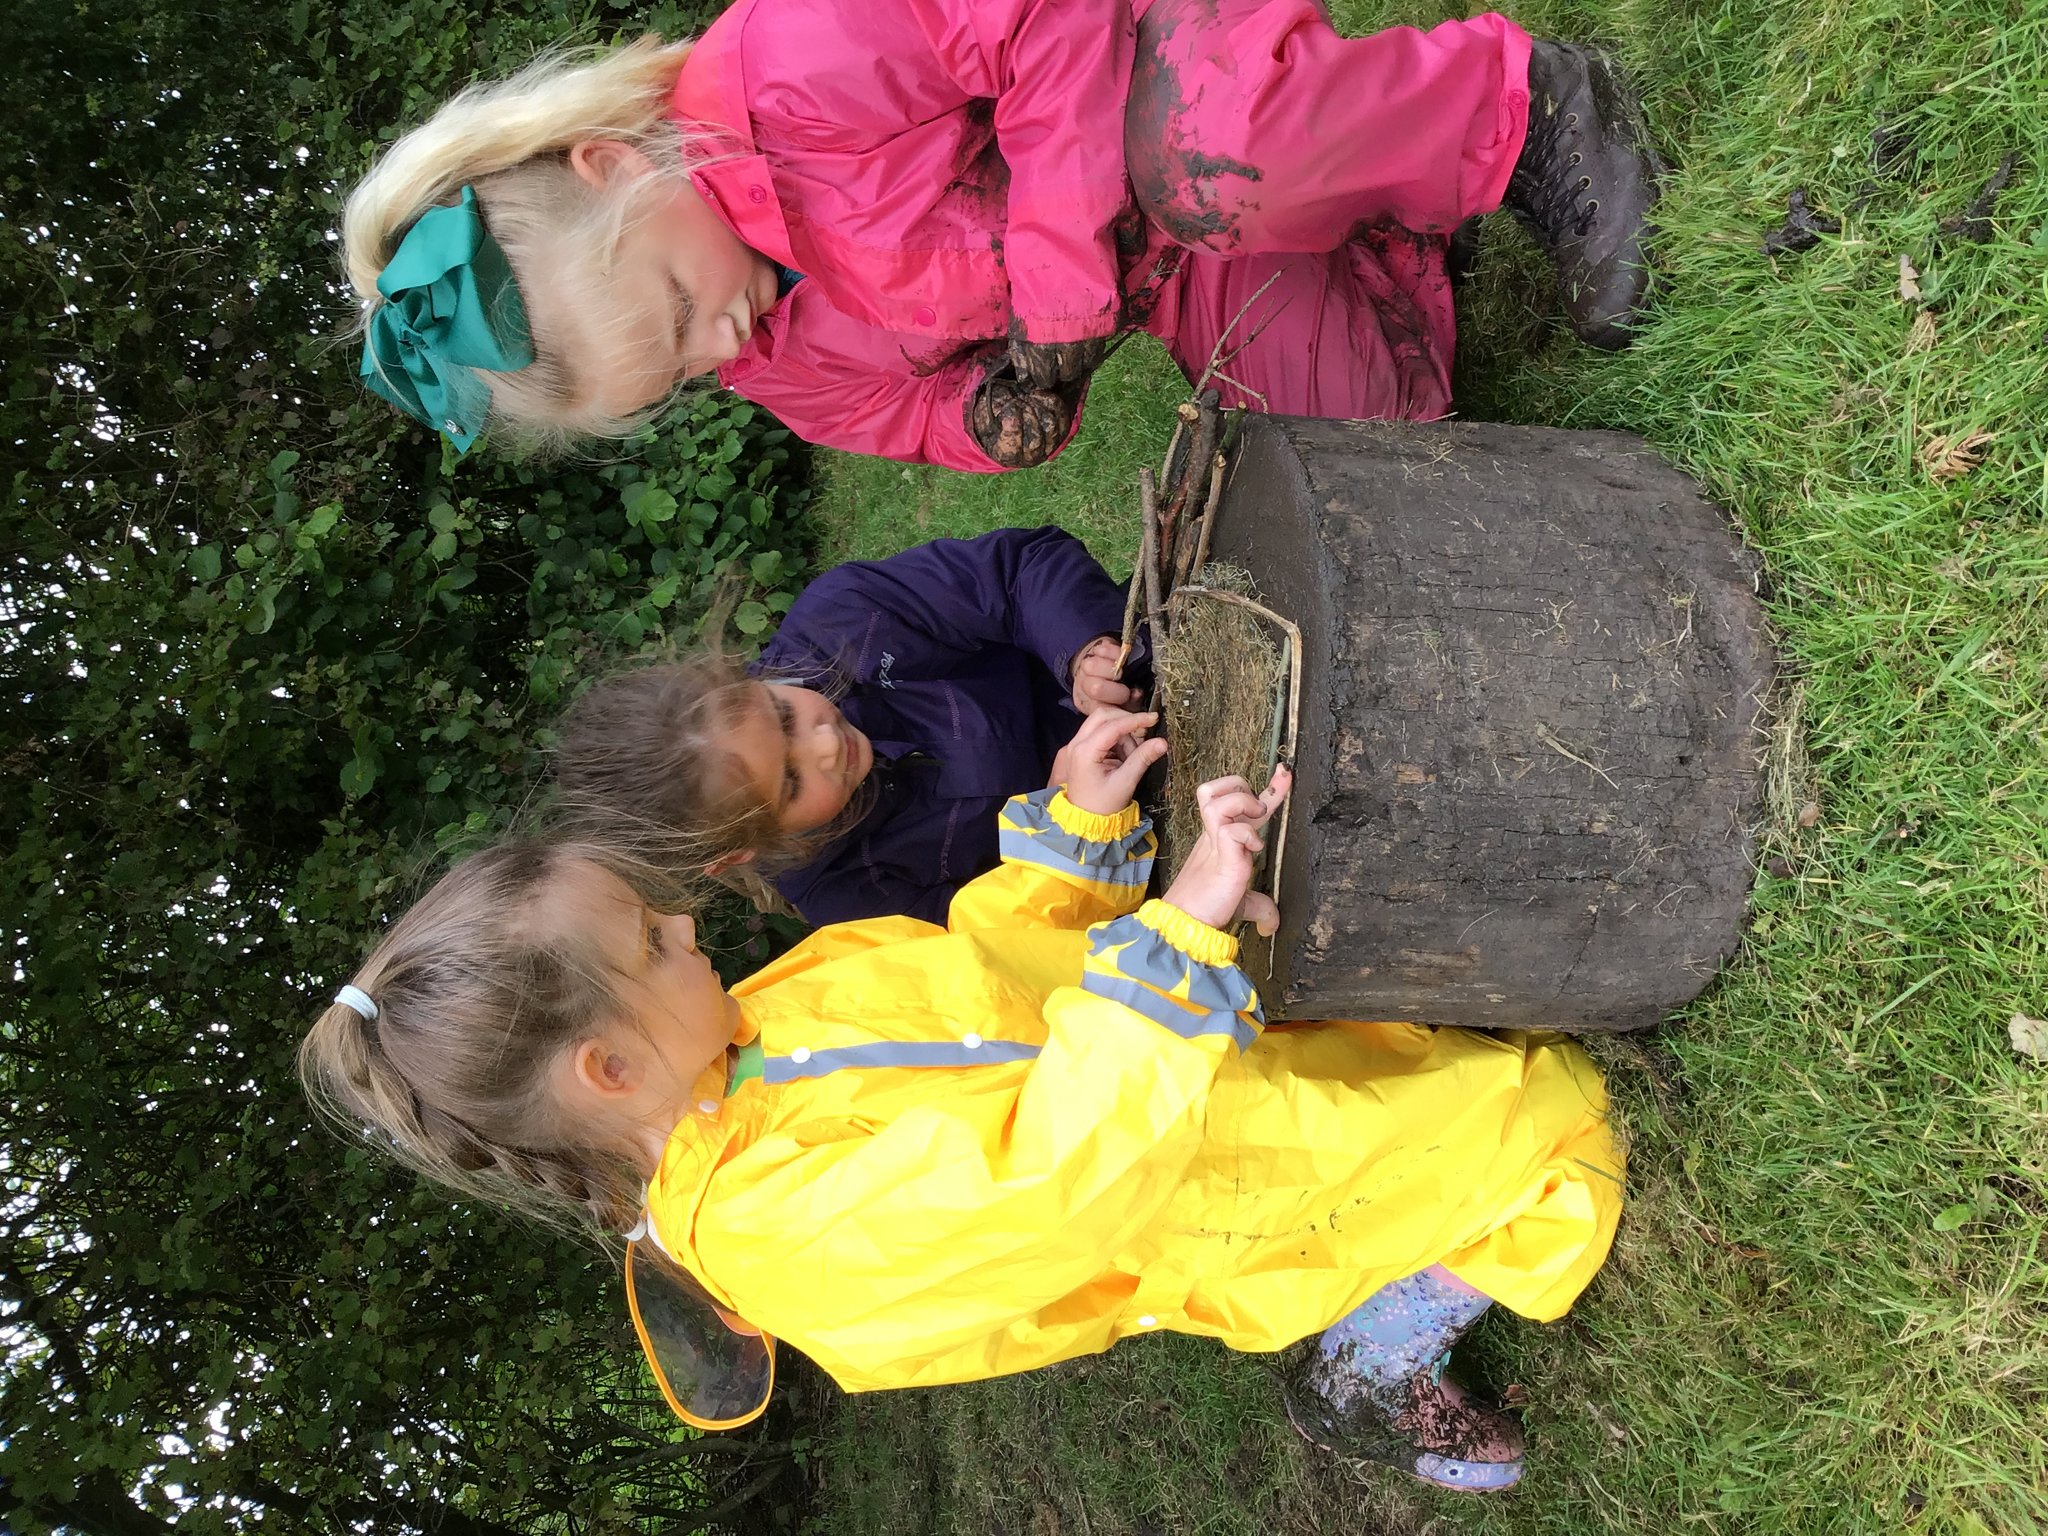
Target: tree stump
{"x": 1529, "y": 771}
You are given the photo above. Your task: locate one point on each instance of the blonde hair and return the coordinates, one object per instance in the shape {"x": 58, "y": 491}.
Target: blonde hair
{"x": 510, "y": 140}
{"x": 476, "y": 1000}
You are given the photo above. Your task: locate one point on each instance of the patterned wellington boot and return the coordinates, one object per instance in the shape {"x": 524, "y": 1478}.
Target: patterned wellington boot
{"x": 1584, "y": 186}
{"x": 1429, "y": 1427}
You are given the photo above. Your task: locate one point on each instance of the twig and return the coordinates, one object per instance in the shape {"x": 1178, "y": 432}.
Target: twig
{"x": 1184, "y": 413}
{"x": 1193, "y": 568}
{"x": 1217, "y": 358}
{"x": 1280, "y": 703}
{"x": 1173, "y": 547}
{"x": 1243, "y": 388}
{"x": 1208, "y": 431}
{"x": 1132, "y": 598}
{"x": 1148, "y": 504}
{"x": 1543, "y": 735}
{"x": 1216, "y": 470}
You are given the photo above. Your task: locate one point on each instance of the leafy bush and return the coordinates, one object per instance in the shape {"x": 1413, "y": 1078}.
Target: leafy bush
{"x": 269, "y": 653}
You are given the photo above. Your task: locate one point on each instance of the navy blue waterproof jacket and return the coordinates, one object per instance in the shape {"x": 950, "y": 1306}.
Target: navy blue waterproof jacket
{"x": 956, "y": 660}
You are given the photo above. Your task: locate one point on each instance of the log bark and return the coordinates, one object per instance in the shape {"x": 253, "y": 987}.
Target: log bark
{"x": 1530, "y": 769}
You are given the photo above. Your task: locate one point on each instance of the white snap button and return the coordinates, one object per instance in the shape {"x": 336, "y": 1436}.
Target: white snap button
{"x": 451, "y": 429}
{"x": 800, "y": 1055}
{"x": 707, "y": 1106}
{"x": 971, "y": 1041}
{"x": 1148, "y": 1321}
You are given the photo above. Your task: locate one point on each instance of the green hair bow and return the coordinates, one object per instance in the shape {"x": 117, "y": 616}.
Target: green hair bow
{"x": 450, "y": 307}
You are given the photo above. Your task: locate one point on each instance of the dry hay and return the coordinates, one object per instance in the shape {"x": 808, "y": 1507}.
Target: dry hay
{"x": 1221, "y": 677}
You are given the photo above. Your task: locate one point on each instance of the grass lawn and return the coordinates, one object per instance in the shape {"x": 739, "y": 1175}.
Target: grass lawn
{"x": 1829, "y": 1307}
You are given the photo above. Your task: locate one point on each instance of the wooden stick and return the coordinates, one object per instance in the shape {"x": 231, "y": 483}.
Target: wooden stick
{"x": 1132, "y": 598}
{"x": 1209, "y": 513}
{"x": 1183, "y": 415}
{"x": 1280, "y": 701}
{"x": 1217, "y": 356}
{"x": 1148, "y": 505}
{"x": 1174, "y": 521}
{"x": 1244, "y": 389}
{"x": 1208, "y": 428}
{"x": 1194, "y": 544}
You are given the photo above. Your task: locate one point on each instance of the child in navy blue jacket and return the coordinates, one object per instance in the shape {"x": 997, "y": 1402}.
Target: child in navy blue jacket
{"x": 859, "y": 764}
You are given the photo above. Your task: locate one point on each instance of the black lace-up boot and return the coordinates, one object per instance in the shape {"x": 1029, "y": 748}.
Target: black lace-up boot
{"x": 1584, "y": 185}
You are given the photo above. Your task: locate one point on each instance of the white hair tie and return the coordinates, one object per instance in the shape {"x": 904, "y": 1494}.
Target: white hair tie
{"x": 358, "y": 999}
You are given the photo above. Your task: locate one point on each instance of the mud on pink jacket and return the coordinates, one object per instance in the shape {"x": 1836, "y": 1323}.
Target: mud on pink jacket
{"x": 952, "y": 173}
{"x": 946, "y": 173}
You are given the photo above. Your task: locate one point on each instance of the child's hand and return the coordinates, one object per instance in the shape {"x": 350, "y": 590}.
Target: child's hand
{"x": 1019, "y": 426}
{"x": 1211, "y": 885}
{"x": 1095, "y": 677}
{"x": 1107, "y": 757}
{"x": 1052, "y": 364}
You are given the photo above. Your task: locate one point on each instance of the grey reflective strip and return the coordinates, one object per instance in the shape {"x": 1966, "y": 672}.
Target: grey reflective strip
{"x": 896, "y": 1053}
{"x": 1041, "y": 849}
{"x": 1144, "y": 954}
{"x": 1164, "y": 1011}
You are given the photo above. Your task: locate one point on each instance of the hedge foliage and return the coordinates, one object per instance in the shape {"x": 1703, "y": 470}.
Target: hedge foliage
{"x": 267, "y": 655}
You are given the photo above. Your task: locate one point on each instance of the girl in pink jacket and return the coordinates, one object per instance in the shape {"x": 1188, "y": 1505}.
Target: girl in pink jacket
{"x": 912, "y": 227}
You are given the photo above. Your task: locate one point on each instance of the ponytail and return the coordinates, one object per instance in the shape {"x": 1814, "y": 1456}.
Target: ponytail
{"x": 473, "y": 1002}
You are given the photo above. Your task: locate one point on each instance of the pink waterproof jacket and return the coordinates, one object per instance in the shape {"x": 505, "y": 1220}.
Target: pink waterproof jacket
{"x": 946, "y": 173}
{"x": 953, "y": 173}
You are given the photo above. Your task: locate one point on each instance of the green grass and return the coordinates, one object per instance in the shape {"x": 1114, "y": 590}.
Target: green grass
{"x": 1792, "y": 1335}
{"x": 868, "y": 508}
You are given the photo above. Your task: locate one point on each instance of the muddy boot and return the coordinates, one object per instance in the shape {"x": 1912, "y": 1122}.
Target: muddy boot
{"x": 1584, "y": 185}
{"x": 1428, "y": 1427}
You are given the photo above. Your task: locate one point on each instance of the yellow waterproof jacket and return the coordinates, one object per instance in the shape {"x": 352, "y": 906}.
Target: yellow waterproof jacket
{"x": 983, "y": 1148}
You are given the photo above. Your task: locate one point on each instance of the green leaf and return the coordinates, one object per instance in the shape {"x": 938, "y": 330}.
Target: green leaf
{"x": 750, "y": 618}
{"x": 647, "y": 502}
{"x": 1954, "y": 1216}
{"x": 443, "y": 547}
{"x": 442, "y": 516}
{"x": 259, "y": 622}
{"x": 205, "y": 562}
{"x": 357, "y": 776}
{"x": 767, "y": 567}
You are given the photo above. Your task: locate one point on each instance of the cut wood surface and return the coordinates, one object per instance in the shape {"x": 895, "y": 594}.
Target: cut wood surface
{"x": 1530, "y": 762}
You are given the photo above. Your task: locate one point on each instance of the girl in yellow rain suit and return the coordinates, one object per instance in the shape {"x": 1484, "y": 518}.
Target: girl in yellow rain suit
{"x": 941, "y": 1154}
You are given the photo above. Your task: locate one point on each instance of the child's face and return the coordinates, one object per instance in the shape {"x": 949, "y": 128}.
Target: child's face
{"x": 796, "y": 752}
{"x": 686, "y": 292}
{"x": 668, "y": 986}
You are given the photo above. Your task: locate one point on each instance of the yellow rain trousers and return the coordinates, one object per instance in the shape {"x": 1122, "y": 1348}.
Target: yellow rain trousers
{"x": 1014, "y": 1140}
